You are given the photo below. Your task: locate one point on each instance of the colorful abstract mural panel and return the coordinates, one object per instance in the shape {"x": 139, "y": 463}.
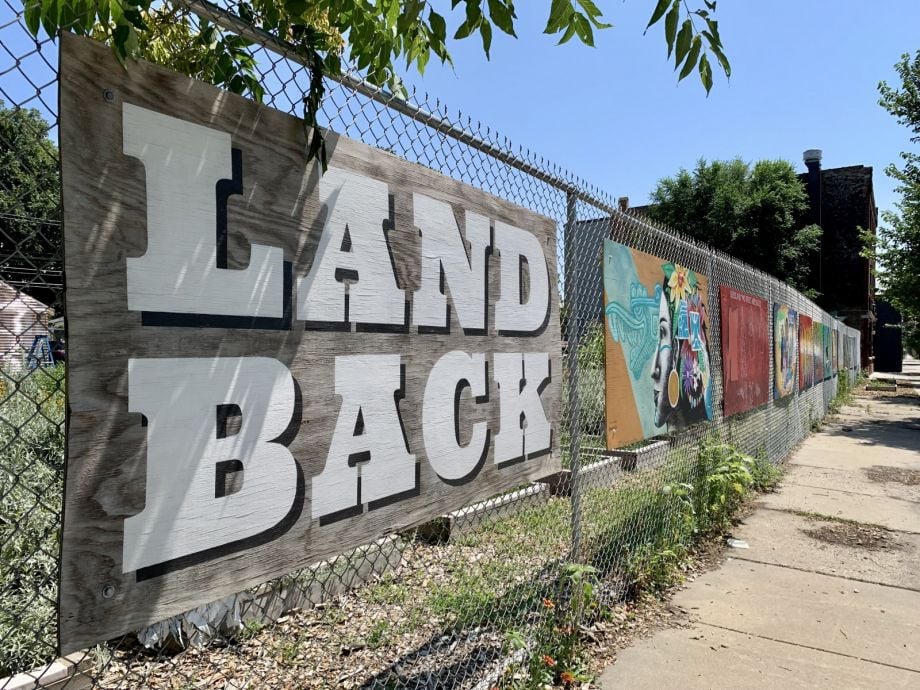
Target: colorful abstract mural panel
{"x": 745, "y": 350}
{"x": 657, "y": 367}
{"x": 785, "y": 350}
{"x": 806, "y": 353}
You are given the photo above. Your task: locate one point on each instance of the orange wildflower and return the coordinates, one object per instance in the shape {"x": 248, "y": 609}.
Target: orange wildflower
{"x": 548, "y": 660}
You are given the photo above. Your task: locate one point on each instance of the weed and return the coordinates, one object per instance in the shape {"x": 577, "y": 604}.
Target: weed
{"x": 386, "y": 591}
{"x": 554, "y": 652}
{"x": 251, "y": 629}
{"x": 378, "y": 635}
{"x": 765, "y": 476}
{"x": 288, "y": 652}
{"x": 720, "y": 483}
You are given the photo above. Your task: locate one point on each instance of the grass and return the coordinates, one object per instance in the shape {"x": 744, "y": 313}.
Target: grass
{"x": 876, "y": 385}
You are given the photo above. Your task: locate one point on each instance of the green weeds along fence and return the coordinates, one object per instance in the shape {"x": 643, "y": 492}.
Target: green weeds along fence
{"x": 490, "y": 595}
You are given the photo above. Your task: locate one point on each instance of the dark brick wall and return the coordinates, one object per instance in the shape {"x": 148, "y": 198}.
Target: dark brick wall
{"x": 841, "y": 277}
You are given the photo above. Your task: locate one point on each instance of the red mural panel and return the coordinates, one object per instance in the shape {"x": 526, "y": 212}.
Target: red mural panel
{"x": 745, "y": 350}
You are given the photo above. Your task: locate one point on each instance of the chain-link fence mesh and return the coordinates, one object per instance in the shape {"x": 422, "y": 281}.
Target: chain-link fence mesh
{"x": 468, "y": 600}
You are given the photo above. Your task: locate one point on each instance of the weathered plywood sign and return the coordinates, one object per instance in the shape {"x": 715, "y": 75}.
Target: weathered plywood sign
{"x": 269, "y": 366}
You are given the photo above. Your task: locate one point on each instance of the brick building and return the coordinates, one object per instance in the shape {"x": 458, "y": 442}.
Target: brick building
{"x": 842, "y": 202}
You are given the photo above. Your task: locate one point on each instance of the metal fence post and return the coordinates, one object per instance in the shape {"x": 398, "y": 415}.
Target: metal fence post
{"x": 572, "y": 337}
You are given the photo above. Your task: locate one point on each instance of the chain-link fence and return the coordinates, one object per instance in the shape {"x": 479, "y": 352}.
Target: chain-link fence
{"x": 475, "y": 599}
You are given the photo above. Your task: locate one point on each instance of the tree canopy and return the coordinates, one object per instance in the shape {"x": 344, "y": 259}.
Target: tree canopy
{"x": 897, "y": 246}
{"x": 752, "y": 212}
{"x": 371, "y": 35}
{"x": 29, "y": 204}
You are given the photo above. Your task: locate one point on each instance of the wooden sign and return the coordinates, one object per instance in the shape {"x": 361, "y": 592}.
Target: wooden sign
{"x": 745, "y": 350}
{"x": 268, "y": 366}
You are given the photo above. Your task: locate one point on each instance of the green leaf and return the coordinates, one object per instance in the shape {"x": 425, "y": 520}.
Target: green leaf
{"x": 464, "y": 30}
{"x": 485, "y": 30}
{"x": 723, "y": 61}
{"x": 684, "y": 37}
{"x": 33, "y": 11}
{"x": 692, "y": 58}
{"x": 503, "y": 16}
{"x": 569, "y": 32}
{"x": 438, "y": 25}
{"x": 583, "y": 29}
{"x": 670, "y": 25}
{"x": 473, "y": 12}
{"x": 668, "y": 269}
{"x": 295, "y": 8}
{"x": 706, "y": 74}
{"x": 658, "y": 12}
{"x": 560, "y": 14}
{"x": 594, "y": 14}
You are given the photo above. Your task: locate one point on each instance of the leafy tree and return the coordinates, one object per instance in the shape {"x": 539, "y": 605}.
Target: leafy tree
{"x": 29, "y": 204}
{"x": 750, "y": 211}
{"x": 377, "y": 34}
{"x": 897, "y": 246}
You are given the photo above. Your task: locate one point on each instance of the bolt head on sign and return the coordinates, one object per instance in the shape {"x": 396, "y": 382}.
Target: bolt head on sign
{"x": 269, "y": 366}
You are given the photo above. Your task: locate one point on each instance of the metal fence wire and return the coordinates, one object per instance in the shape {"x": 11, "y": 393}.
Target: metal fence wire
{"x": 464, "y": 601}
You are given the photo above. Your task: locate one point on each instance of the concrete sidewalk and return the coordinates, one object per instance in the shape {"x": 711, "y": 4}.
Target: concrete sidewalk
{"x": 828, "y": 594}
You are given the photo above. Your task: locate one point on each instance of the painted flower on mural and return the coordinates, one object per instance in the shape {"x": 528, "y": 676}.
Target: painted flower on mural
{"x": 679, "y": 283}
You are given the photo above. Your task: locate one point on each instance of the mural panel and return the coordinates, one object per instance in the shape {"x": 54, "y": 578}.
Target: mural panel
{"x": 658, "y": 375}
{"x": 785, "y": 350}
{"x": 817, "y": 345}
{"x": 806, "y": 353}
{"x": 745, "y": 350}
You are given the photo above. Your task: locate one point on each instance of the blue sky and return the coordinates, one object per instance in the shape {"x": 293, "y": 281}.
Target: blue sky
{"x": 805, "y": 75}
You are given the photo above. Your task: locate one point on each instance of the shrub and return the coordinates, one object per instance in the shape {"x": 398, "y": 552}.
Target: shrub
{"x": 31, "y": 485}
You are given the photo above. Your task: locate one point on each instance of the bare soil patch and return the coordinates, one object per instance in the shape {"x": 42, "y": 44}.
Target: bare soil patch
{"x": 899, "y": 475}
{"x": 855, "y": 535}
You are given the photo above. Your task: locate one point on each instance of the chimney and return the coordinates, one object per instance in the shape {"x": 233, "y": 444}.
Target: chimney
{"x": 812, "y": 159}
{"x": 623, "y": 201}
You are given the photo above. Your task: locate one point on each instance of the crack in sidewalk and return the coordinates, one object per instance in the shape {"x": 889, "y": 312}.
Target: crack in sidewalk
{"x": 805, "y": 646}
{"x": 833, "y": 518}
{"x": 855, "y": 493}
{"x": 826, "y": 574}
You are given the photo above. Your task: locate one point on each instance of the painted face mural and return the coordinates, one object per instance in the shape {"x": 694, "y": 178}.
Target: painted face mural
{"x": 657, "y": 352}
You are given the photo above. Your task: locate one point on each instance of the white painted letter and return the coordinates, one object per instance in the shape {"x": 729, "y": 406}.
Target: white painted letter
{"x": 520, "y": 378}
{"x": 179, "y": 398}
{"x": 440, "y": 415}
{"x": 179, "y": 272}
{"x": 443, "y": 250}
{"x": 366, "y": 384}
{"x": 511, "y": 314}
{"x": 359, "y": 205}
